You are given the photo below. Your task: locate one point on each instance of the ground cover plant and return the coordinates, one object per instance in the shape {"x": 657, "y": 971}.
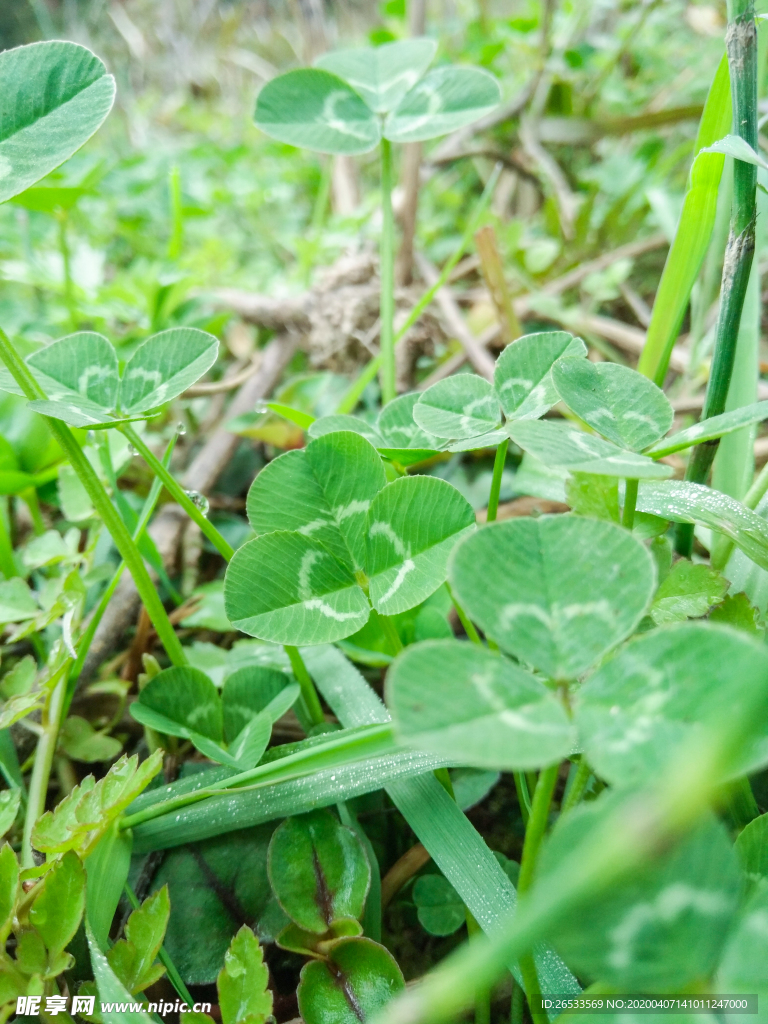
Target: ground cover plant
{"x": 461, "y": 679}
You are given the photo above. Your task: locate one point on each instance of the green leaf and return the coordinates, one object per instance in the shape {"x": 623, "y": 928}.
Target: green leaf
{"x": 112, "y": 991}
{"x": 247, "y": 748}
{"x": 752, "y": 848}
{"x": 688, "y": 592}
{"x": 316, "y": 110}
{"x": 80, "y": 741}
{"x": 684, "y": 502}
{"x": 707, "y": 430}
{"x": 55, "y": 96}
{"x": 133, "y": 958}
{"x": 743, "y": 965}
{"x": 79, "y": 821}
{"x": 594, "y": 496}
{"x": 9, "y": 889}
{"x": 619, "y": 403}
{"x": 469, "y": 703}
{"x": 523, "y": 374}
{"x": 301, "y": 419}
{"x": 182, "y": 701}
{"x": 165, "y": 365}
{"x": 288, "y": 588}
{"x": 318, "y": 870}
{"x": 340, "y": 422}
{"x": 461, "y": 406}
{"x": 559, "y": 444}
{"x": 738, "y": 148}
{"x": 736, "y": 610}
{"x": 443, "y": 101}
{"x": 55, "y": 913}
{"x": 9, "y": 808}
{"x": 106, "y": 871}
{"x": 20, "y": 678}
{"x": 438, "y": 905}
{"x": 556, "y": 592}
{"x": 403, "y": 439}
{"x": 242, "y": 983}
{"x": 80, "y": 369}
{"x": 247, "y": 692}
{"x": 209, "y": 885}
{"x": 359, "y": 978}
{"x": 17, "y": 602}
{"x": 661, "y": 689}
{"x": 660, "y": 928}
{"x": 49, "y": 199}
{"x": 412, "y": 527}
{"x": 381, "y": 75}
{"x": 323, "y": 492}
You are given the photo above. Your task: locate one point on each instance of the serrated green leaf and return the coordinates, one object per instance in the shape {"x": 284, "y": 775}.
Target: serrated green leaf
{"x": 662, "y": 688}
{"x": 133, "y": 958}
{"x": 688, "y": 592}
{"x": 619, "y": 403}
{"x": 288, "y": 588}
{"x": 556, "y": 592}
{"x": 318, "y": 871}
{"x": 594, "y": 496}
{"x": 438, "y": 905}
{"x": 165, "y": 365}
{"x": 55, "y": 96}
{"x": 443, "y": 101}
{"x": 663, "y": 926}
{"x": 323, "y": 492}
{"x": 523, "y": 373}
{"x": 736, "y": 610}
{"x": 317, "y": 110}
{"x": 359, "y": 978}
{"x": 707, "y": 430}
{"x": 413, "y": 525}
{"x": 56, "y": 912}
{"x": 80, "y": 741}
{"x": 242, "y": 983}
{"x": 466, "y": 702}
{"x": 559, "y": 444}
{"x": 683, "y": 502}
{"x": 461, "y": 406}
{"x": 17, "y": 602}
{"x": 381, "y": 75}
{"x": 9, "y": 808}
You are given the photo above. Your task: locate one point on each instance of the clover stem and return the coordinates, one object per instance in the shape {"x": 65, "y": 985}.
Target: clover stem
{"x": 390, "y": 632}
{"x": 178, "y": 493}
{"x": 741, "y": 47}
{"x": 41, "y": 770}
{"x": 498, "y": 470}
{"x": 309, "y": 694}
{"x": 387, "y": 276}
{"x": 630, "y": 503}
{"x": 464, "y": 619}
{"x": 109, "y": 515}
{"x": 577, "y": 785}
{"x": 534, "y": 834}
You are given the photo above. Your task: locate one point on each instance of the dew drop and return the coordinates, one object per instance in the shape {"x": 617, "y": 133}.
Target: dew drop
{"x": 132, "y": 451}
{"x": 180, "y": 429}
{"x": 199, "y": 501}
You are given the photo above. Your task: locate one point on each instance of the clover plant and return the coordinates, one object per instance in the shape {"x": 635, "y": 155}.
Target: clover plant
{"x": 582, "y": 646}
{"x": 353, "y": 100}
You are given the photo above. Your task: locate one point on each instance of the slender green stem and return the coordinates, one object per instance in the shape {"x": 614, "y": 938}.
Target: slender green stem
{"x": 340, "y": 749}
{"x": 575, "y": 790}
{"x": 469, "y": 627}
{"x": 387, "y": 276}
{"x": 103, "y": 506}
{"x": 7, "y": 562}
{"x": 173, "y": 975}
{"x": 41, "y": 770}
{"x": 177, "y": 213}
{"x": 390, "y": 631}
{"x": 352, "y": 395}
{"x": 534, "y": 834}
{"x": 498, "y": 470}
{"x": 29, "y": 497}
{"x": 517, "y": 1004}
{"x": 523, "y": 795}
{"x": 309, "y": 693}
{"x": 741, "y": 47}
{"x": 98, "y": 613}
{"x": 630, "y": 503}
{"x": 178, "y": 493}
{"x": 69, "y": 294}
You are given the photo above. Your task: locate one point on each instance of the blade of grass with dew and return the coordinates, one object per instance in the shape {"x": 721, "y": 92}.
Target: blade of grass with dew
{"x": 352, "y": 395}
{"x": 693, "y": 232}
{"x": 452, "y": 841}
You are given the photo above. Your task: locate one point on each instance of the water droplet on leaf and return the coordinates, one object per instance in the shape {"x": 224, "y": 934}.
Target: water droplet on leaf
{"x": 199, "y": 501}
